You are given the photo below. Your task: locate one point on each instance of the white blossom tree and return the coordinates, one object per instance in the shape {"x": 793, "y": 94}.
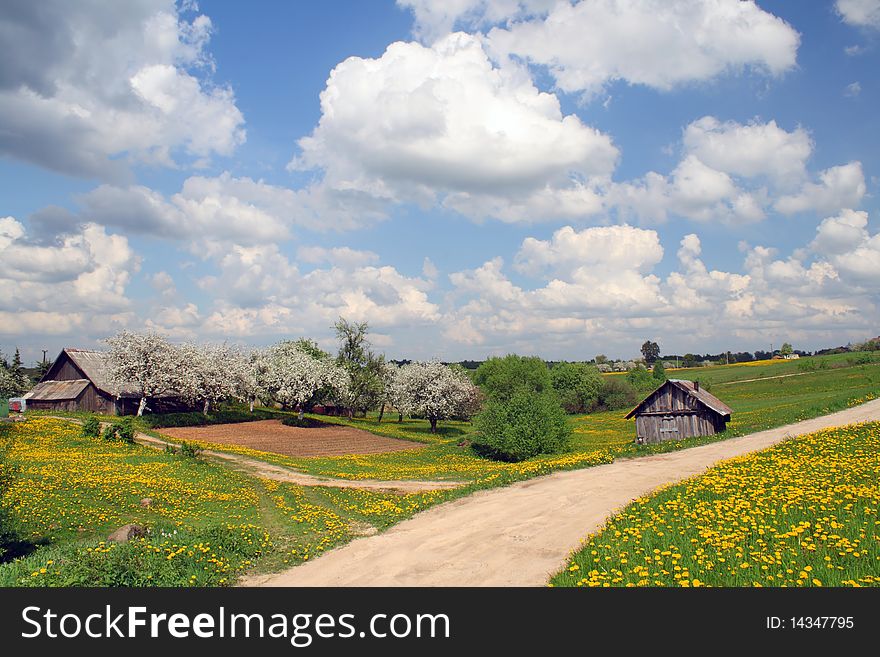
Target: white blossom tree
{"x": 435, "y": 391}
{"x": 144, "y": 362}
{"x": 290, "y": 376}
{"x": 10, "y": 385}
{"x": 210, "y": 373}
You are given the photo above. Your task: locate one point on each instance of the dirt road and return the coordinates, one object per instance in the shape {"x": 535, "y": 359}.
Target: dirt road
{"x": 521, "y": 534}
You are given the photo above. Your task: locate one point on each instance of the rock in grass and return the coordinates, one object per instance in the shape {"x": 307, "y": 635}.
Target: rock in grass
{"x": 147, "y": 502}
{"x": 126, "y": 533}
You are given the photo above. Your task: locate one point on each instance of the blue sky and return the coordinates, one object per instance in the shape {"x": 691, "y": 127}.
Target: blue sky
{"x": 471, "y": 178}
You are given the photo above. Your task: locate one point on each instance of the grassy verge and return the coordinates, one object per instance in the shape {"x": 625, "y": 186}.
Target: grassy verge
{"x": 802, "y": 513}
{"x": 62, "y": 494}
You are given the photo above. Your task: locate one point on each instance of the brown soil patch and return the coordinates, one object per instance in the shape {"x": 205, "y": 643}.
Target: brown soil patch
{"x": 272, "y": 436}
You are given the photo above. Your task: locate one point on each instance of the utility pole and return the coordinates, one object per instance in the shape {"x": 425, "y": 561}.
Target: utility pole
{"x": 45, "y": 351}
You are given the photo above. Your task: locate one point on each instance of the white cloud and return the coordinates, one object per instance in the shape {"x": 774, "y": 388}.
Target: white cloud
{"x": 860, "y": 13}
{"x": 344, "y": 256}
{"x": 838, "y": 187}
{"x": 219, "y": 209}
{"x": 82, "y": 84}
{"x": 659, "y": 44}
{"x": 437, "y": 19}
{"x": 750, "y": 150}
{"x": 853, "y": 89}
{"x": 442, "y": 124}
{"x": 51, "y": 289}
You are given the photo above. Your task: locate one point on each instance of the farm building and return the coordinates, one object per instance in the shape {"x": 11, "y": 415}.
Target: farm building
{"x": 79, "y": 380}
{"x": 679, "y": 409}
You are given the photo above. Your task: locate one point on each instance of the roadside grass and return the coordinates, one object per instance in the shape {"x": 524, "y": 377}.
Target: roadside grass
{"x": 62, "y": 494}
{"x": 801, "y": 513}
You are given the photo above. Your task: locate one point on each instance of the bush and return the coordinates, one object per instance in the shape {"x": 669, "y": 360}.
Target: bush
{"x": 190, "y": 450}
{"x": 577, "y": 385}
{"x": 641, "y": 379}
{"x": 91, "y": 428}
{"x": 523, "y": 426}
{"x": 109, "y": 432}
{"x": 659, "y": 372}
{"x": 501, "y": 378}
{"x": 304, "y": 423}
{"x": 616, "y": 393}
{"x": 196, "y": 419}
{"x": 125, "y": 430}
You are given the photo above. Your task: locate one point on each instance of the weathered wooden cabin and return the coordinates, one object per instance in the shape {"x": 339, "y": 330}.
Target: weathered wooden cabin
{"x": 79, "y": 380}
{"x": 679, "y": 409}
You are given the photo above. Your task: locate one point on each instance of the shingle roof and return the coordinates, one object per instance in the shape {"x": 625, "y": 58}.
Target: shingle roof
{"x": 57, "y": 390}
{"x": 701, "y": 394}
{"x": 94, "y": 365}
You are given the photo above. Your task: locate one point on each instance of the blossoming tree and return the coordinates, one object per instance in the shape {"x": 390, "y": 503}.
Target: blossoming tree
{"x": 435, "y": 391}
{"x": 290, "y": 376}
{"x": 146, "y": 362}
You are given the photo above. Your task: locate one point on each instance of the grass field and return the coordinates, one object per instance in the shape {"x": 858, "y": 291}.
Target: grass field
{"x": 802, "y": 513}
{"x": 62, "y": 494}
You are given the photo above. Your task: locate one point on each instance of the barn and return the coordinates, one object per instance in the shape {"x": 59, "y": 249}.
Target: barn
{"x": 79, "y": 380}
{"x": 679, "y": 409}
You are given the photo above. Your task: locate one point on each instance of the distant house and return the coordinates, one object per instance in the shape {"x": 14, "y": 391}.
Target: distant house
{"x": 679, "y": 409}
{"x": 791, "y": 356}
{"x": 79, "y": 380}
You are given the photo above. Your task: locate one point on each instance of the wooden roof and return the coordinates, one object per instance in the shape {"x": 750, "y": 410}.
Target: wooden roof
{"x": 94, "y": 367}
{"x": 57, "y": 390}
{"x": 702, "y": 395}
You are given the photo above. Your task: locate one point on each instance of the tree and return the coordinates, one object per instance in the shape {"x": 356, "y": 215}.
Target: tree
{"x": 501, "y": 377}
{"x": 433, "y": 390}
{"x": 576, "y": 384}
{"x": 365, "y": 369}
{"x": 659, "y": 372}
{"x": 601, "y": 359}
{"x": 689, "y": 360}
{"x": 15, "y": 367}
{"x": 289, "y": 376}
{"x": 521, "y": 426}
{"x": 651, "y": 351}
{"x": 9, "y": 385}
{"x": 640, "y": 379}
{"x": 210, "y": 373}
{"x": 786, "y": 349}
{"x": 145, "y": 361}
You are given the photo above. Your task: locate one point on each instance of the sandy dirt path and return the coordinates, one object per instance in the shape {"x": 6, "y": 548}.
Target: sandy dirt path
{"x": 522, "y": 534}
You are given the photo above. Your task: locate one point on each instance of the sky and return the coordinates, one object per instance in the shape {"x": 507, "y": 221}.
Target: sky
{"x": 471, "y": 177}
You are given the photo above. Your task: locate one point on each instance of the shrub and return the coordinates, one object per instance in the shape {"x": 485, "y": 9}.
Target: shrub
{"x": 616, "y": 393}
{"x": 109, "y": 432}
{"x": 501, "y": 378}
{"x": 190, "y": 450}
{"x": 577, "y": 385}
{"x": 659, "y": 372}
{"x": 641, "y": 379}
{"x": 91, "y": 428}
{"x": 525, "y": 425}
{"x": 125, "y": 430}
{"x": 304, "y": 423}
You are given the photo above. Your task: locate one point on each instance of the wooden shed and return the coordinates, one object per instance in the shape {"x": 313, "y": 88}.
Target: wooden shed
{"x": 79, "y": 380}
{"x": 679, "y": 409}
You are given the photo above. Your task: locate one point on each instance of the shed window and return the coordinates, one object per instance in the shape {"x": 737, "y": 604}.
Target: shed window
{"x": 667, "y": 425}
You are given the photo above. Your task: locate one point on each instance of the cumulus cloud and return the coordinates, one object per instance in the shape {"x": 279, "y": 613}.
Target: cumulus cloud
{"x": 220, "y": 209}
{"x": 736, "y": 173}
{"x": 860, "y": 13}
{"x": 600, "y": 286}
{"x": 750, "y": 150}
{"x": 82, "y": 84}
{"x": 437, "y": 19}
{"x": 662, "y": 45}
{"x": 838, "y": 187}
{"x": 49, "y": 289}
{"x": 445, "y": 125}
